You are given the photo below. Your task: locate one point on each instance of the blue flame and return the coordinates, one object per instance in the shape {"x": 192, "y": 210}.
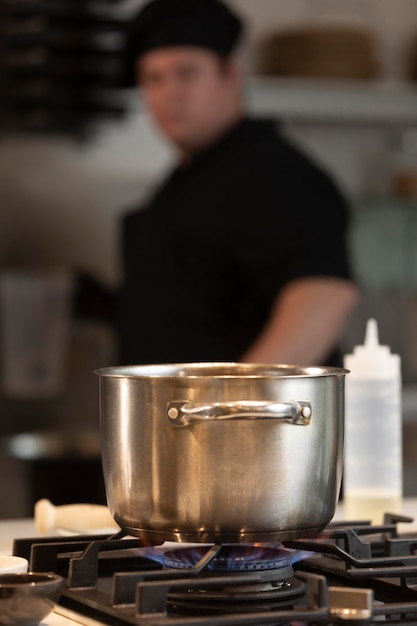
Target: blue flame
{"x": 236, "y": 557}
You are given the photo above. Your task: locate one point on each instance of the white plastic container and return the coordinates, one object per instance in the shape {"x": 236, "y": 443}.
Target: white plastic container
{"x": 372, "y": 475}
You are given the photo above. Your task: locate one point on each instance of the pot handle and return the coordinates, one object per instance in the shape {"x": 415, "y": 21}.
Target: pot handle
{"x": 186, "y": 413}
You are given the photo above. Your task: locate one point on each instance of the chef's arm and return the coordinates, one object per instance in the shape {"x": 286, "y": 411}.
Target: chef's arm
{"x": 306, "y": 322}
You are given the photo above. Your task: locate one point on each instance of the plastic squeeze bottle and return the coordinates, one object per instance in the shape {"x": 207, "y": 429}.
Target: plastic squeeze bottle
{"x": 372, "y": 475}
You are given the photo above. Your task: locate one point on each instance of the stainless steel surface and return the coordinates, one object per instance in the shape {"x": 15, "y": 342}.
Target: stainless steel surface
{"x": 350, "y": 604}
{"x": 215, "y": 480}
{"x": 186, "y": 413}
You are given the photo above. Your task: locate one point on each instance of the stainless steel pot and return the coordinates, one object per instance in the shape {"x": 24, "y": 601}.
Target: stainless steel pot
{"x": 222, "y": 452}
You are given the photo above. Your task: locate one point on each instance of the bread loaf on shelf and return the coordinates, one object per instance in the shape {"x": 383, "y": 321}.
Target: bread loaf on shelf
{"x": 319, "y": 51}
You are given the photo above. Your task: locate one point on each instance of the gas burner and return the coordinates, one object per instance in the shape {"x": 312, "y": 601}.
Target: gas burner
{"x": 231, "y": 558}
{"x": 359, "y": 574}
{"x": 275, "y": 588}
{"x": 239, "y": 598}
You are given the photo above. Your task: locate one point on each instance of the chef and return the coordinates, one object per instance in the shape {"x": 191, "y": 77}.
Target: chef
{"x": 241, "y": 253}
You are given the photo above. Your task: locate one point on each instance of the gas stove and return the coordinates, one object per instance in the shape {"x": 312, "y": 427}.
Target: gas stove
{"x": 354, "y": 572}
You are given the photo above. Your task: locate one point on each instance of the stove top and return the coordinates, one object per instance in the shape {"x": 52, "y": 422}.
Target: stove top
{"x": 353, "y": 572}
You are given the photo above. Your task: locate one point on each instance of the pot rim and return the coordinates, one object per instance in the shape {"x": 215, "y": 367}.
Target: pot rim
{"x": 219, "y": 370}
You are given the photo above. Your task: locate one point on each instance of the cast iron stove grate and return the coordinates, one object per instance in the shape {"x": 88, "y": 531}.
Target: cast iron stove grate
{"x": 359, "y": 574}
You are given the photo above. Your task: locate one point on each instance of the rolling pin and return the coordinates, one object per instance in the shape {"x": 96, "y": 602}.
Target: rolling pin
{"x": 73, "y": 517}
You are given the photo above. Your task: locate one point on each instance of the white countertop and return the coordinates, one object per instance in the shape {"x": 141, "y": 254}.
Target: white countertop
{"x": 25, "y": 528}
{"x": 408, "y": 508}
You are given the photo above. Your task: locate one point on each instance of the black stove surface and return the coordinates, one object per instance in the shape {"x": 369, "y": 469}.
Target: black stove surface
{"x": 353, "y": 573}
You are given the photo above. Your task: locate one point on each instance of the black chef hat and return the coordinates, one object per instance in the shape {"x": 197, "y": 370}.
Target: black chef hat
{"x": 160, "y": 23}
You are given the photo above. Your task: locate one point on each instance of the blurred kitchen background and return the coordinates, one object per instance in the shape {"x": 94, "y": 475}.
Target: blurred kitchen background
{"x": 76, "y": 151}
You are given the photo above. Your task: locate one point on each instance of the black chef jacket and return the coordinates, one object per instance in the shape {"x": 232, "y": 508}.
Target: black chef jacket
{"x": 206, "y": 257}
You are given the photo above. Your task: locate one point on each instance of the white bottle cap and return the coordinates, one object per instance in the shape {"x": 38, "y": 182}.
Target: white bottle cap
{"x": 371, "y": 360}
